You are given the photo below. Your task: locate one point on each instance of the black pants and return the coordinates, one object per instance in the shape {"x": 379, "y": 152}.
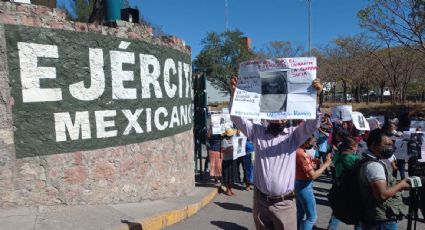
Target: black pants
{"x": 240, "y": 161}
{"x": 422, "y": 200}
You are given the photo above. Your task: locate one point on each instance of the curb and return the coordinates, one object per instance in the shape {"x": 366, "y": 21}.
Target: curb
{"x": 168, "y": 218}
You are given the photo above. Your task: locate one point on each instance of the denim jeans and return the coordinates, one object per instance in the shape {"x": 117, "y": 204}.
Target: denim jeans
{"x": 390, "y": 225}
{"x": 306, "y": 204}
{"x": 249, "y": 171}
{"x": 334, "y": 222}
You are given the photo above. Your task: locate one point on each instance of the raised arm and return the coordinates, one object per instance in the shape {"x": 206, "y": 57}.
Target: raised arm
{"x": 244, "y": 125}
{"x": 303, "y": 131}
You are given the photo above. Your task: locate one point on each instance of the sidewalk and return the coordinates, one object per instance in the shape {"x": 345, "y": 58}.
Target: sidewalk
{"x": 135, "y": 216}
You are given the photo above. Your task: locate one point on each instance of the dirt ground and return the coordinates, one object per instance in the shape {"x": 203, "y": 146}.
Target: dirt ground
{"x": 416, "y": 110}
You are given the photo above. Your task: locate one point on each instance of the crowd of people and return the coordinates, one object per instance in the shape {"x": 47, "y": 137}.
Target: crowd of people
{"x": 283, "y": 159}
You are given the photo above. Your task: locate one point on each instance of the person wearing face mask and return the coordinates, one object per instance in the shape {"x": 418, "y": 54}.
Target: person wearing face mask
{"x": 344, "y": 159}
{"x": 304, "y": 176}
{"x": 274, "y": 167}
{"x": 379, "y": 190}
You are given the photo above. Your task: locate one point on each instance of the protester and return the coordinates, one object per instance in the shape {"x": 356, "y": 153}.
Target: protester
{"x": 274, "y": 170}
{"x": 249, "y": 166}
{"x": 322, "y": 135}
{"x": 240, "y": 162}
{"x": 390, "y": 129}
{"x": 214, "y": 155}
{"x": 379, "y": 190}
{"x": 344, "y": 159}
{"x": 228, "y": 164}
{"x": 304, "y": 176}
{"x": 338, "y": 135}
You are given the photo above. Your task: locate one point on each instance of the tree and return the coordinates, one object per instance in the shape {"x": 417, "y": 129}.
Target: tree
{"x": 399, "y": 20}
{"x": 278, "y": 49}
{"x": 80, "y": 10}
{"x": 342, "y": 63}
{"x": 221, "y": 55}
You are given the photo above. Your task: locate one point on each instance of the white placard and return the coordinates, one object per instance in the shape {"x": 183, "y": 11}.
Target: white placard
{"x": 239, "y": 143}
{"x": 276, "y": 89}
{"x": 342, "y": 113}
{"x": 415, "y": 124}
{"x": 216, "y": 125}
{"x": 381, "y": 120}
{"x": 373, "y": 123}
{"x": 360, "y": 121}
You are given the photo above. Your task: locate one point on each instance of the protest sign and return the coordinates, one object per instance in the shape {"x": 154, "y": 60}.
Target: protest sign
{"x": 217, "y": 127}
{"x": 373, "y": 123}
{"x": 276, "y": 89}
{"x": 381, "y": 120}
{"x": 360, "y": 121}
{"x": 239, "y": 143}
{"x": 415, "y": 124}
{"x": 400, "y": 149}
{"x": 342, "y": 113}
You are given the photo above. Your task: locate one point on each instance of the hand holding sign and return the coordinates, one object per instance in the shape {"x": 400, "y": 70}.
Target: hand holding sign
{"x": 281, "y": 88}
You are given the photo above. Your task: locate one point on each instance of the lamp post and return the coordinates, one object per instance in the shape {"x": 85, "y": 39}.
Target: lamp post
{"x": 309, "y": 27}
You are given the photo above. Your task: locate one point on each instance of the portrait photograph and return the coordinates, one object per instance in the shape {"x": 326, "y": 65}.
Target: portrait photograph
{"x": 274, "y": 91}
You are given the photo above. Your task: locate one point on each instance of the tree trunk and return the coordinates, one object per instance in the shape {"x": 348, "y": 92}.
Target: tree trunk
{"x": 97, "y": 13}
{"x": 357, "y": 94}
{"x": 344, "y": 86}
{"x": 381, "y": 97}
{"x": 333, "y": 93}
{"x": 367, "y": 91}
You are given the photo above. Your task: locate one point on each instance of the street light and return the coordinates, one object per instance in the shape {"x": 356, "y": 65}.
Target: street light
{"x": 309, "y": 27}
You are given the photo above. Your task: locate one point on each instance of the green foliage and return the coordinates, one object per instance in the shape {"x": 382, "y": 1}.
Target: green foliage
{"x": 80, "y": 10}
{"x": 221, "y": 55}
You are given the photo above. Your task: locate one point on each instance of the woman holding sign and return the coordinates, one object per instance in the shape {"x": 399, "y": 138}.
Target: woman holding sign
{"x": 228, "y": 164}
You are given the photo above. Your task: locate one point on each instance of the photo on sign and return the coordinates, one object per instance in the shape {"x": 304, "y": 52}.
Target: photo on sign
{"x": 361, "y": 121}
{"x": 274, "y": 91}
{"x": 239, "y": 143}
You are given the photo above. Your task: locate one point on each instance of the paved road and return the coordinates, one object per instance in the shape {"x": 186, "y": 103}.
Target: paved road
{"x": 236, "y": 212}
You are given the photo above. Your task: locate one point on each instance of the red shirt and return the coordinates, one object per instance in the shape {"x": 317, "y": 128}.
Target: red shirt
{"x": 304, "y": 164}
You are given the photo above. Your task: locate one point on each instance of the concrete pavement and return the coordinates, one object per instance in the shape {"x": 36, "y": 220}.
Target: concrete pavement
{"x": 235, "y": 212}
{"x": 144, "y": 215}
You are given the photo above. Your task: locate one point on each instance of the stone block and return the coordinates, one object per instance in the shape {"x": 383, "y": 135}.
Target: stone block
{"x": 134, "y": 35}
{"x": 41, "y": 11}
{"x": 56, "y": 24}
{"x": 104, "y": 170}
{"x": 75, "y": 175}
{"x": 60, "y": 14}
{"x": 6, "y": 136}
{"x": 9, "y": 19}
{"x": 81, "y": 27}
{"x": 95, "y": 28}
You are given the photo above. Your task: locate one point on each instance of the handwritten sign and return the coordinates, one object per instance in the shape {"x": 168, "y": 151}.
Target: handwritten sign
{"x": 342, "y": 113}
{"x": 276, "y": 89}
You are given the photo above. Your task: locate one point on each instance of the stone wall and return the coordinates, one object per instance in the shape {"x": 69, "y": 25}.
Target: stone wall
{"x": 136, "y": 166}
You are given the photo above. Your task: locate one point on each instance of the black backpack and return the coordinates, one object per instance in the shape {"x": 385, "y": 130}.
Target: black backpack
{"x": 345, "y": 197}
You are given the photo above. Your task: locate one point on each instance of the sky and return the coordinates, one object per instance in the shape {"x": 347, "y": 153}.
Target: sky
{"x": 261, "y": 20}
